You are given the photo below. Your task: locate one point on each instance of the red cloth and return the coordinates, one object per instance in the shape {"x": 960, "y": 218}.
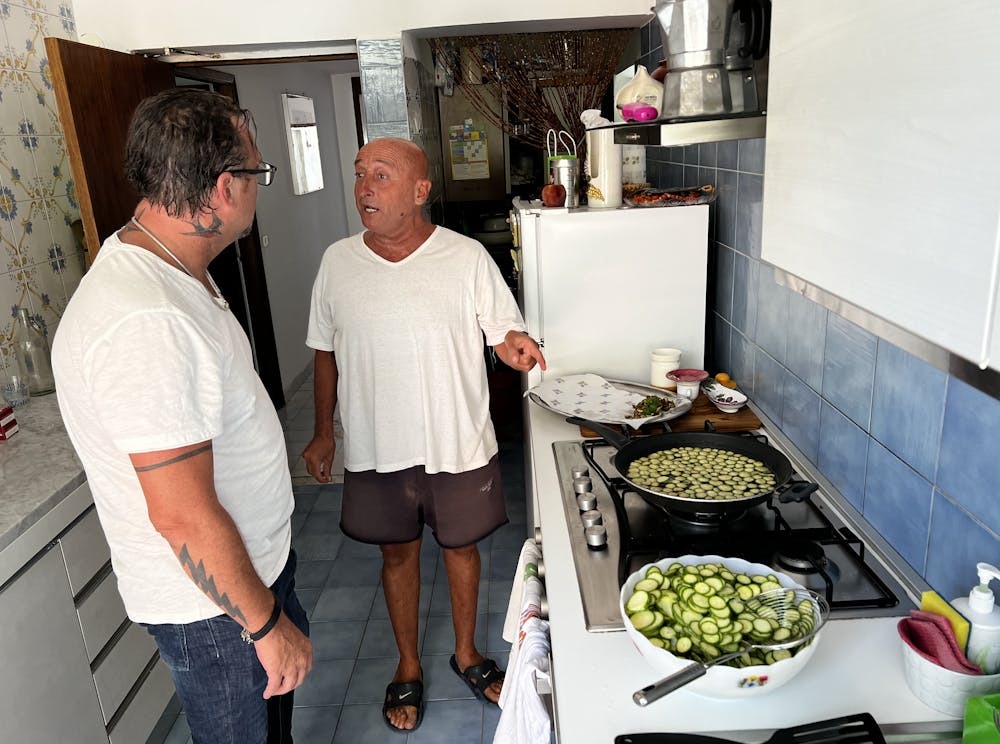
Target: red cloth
{"x": 931, "y": 636}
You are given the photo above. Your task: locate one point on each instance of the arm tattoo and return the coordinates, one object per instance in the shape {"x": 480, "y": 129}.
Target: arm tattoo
{"x": 172, "y": 460}
{"x": 206, "y": 232}
{"x": 207, "y": 584}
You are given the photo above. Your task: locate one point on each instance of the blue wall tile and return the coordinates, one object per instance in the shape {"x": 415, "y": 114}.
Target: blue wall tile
{"x": 907, "y": 407}
{"x": 726, "y": 208}
{"x": 843, "y": 454}
{"x": 723, "y": 335}
{"x": 709, "y": 154}
{"x": 725, "y": 268}
{"x": 750, "y": 188}
{"x": 898, "y": 504}
{"x": 768, "y": 384}
{"x": 729, "y": 154}
{"x": 969, "y": 468}
{"x": 745, "y": 288}
{"x": 957, "y": 544}
{"x": 849, "y": 368}
{"x": 806, "y": 339}
{"x": 800, "y": 414}
{"x": 772, "y": 314}
{"x": 741, "y": 360}
{"x": 751, "y": 155}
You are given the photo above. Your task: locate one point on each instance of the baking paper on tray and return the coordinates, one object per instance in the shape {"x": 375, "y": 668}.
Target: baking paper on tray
{"x": 591, "y": 397}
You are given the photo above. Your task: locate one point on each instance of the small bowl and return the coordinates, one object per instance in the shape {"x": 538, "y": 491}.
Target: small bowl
{"x": 943, "y": 689}
{"x": 727, "y": 400}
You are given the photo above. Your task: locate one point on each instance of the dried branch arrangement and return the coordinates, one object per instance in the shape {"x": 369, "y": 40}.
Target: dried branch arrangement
{"x": 531, "y": 83}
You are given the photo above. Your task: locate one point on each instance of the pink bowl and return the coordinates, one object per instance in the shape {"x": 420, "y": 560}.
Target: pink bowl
{"x": 687, "y": 375}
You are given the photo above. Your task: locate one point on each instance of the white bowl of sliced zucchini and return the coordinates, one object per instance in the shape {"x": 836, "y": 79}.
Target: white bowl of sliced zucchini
{"x": 681, "y": 610}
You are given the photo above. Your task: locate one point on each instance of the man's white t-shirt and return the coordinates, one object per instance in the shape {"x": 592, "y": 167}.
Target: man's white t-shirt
{"x": 146, "y": 361}
{"x": 407, "y": 337}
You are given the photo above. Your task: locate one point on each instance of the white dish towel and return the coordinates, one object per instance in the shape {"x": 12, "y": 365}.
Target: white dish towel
{"x": 524, "y": 718}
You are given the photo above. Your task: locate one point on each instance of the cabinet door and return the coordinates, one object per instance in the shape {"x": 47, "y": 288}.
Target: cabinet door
{"x": 49, "y": 693}
{"x": 880, "y": 176}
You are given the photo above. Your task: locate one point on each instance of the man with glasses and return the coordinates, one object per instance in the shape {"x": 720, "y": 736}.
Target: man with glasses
{"x": 182, "y": 447}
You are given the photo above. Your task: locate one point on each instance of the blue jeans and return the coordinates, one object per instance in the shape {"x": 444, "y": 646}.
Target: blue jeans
{"x": 220, "y": 681}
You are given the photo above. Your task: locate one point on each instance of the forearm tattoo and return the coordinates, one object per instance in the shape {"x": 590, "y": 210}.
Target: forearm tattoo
{"x": 172, "y": 460}
{"x": 207, "y": 584}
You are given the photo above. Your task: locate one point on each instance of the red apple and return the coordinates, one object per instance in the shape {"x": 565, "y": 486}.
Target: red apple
{"x": 554, "y": 195}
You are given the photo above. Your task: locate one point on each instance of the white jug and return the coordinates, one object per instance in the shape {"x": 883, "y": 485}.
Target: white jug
{"x": 604, "y": 169}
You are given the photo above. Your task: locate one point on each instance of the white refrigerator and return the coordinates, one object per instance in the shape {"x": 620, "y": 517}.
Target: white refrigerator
{"x": 601, "y": 288}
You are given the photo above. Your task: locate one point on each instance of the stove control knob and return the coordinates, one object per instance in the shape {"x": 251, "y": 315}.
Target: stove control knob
{"x": 597, "y": 537}
{"x": 586, "y": 501}
{"x": 592, "y": 517}
{"x": 583, "y": 484}
{"x": 580, "y": 472}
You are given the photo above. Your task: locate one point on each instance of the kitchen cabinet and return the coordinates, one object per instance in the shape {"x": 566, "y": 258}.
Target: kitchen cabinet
{"x": 49, "y": 693}
{"x": 880, "y": 182}
{"x": 75, "y": 667}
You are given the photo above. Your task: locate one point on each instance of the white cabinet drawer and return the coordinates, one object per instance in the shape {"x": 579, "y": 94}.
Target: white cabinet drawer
{"x": 101, "y": 614}
{"x": 86, "y": 551}
{"x": 120, "y": 669}
{"x": 145, "y": 709}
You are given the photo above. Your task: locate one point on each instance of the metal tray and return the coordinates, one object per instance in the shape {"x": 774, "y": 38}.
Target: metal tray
{"x": 681, "y": 404}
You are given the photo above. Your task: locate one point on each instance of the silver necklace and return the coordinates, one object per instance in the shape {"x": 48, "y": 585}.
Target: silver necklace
{"x": 217, "y": 297}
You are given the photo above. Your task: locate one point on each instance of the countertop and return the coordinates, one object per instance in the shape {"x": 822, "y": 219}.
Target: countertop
{"x": 38, "y": 468}
{"x": 857, "y": 666}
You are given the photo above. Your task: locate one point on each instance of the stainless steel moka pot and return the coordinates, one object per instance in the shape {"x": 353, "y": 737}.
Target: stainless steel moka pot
{"x": 712, "y": 49}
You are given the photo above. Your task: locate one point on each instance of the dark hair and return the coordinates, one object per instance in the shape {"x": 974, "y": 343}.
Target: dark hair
{"x": 179, "y": 141}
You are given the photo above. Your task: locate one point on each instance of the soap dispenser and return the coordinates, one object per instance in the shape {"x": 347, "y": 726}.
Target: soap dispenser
{"x": 980, "y": 609}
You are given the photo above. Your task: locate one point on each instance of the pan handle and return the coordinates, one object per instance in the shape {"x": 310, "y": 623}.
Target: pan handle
{"x": 607, "y": 434}
{"x": 798, "y": 491}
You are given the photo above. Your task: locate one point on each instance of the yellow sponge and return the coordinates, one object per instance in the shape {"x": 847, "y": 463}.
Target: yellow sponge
{"x": 932, "y": 602}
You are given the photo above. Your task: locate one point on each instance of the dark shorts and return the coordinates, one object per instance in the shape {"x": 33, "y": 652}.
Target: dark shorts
{"x": 461, "y": 508}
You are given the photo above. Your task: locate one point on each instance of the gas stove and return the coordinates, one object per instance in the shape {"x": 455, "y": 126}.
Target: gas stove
{"x": 614, "y": 531}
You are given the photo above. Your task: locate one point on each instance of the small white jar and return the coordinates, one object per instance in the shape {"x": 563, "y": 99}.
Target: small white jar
{"x": 688, "y": 381}
{"x": 662, "y": 361}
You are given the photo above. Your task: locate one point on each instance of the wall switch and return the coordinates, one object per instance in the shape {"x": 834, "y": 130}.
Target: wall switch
{"x": 264, "y": 240}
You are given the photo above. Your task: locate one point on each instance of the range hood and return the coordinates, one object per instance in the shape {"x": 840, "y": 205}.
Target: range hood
{"x": 691, "y": 130}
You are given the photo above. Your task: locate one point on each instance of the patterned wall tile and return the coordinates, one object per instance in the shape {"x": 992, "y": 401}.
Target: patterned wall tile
{"x": 38, "y": 101}
{"x": 26, "y": 28}
{"x": 18, "y": 176}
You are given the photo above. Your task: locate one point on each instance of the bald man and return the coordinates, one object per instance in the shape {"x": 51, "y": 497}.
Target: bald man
{"x": 398, "y": 317}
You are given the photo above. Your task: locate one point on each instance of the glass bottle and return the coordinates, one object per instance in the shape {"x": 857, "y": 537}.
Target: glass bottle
{"x": 33, "y": 355}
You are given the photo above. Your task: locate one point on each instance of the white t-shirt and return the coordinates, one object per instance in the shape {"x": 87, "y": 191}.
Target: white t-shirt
{"x": 408, "y": 341}
{"x": 144, "y": 361}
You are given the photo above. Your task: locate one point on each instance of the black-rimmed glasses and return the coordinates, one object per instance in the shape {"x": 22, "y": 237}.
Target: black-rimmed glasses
{"x": 264, "y": 173}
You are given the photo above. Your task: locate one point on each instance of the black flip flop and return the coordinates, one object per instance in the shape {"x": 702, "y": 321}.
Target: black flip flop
{"x": 398, "y": 694}
{"x": 479, "y": 677}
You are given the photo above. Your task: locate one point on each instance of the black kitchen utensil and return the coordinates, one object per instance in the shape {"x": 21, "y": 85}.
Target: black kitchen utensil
{"x": 859, "y": 728}
{"x": 633, "y": 449}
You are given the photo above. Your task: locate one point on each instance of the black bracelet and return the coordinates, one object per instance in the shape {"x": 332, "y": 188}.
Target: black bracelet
{"x": 249, "y": 637}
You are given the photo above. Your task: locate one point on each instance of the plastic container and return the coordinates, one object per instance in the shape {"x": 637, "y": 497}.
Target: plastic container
{"x": 604, "y": 169}
{"x": 641, "y": 89}
{"x": 662, "y": 361}
{"x": 688, "y": 381}
{"x": 980, "y": 609}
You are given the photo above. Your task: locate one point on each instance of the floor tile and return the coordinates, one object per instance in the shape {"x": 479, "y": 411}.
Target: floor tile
{"x": 344, "y": 603}
{"x": 317, "y": 547}
{"x": 312, "y": 574}
{"x": 315, "y": 725}
{"x": 440, "y": 635}
{"x": 453, "y": 721}
{"x": 440, "y": 682}
{"x": 336, "y": 639}
{"x": 378, "y": 640}
{"x": 326, "y": 684}
{"x": 364, "y": 723}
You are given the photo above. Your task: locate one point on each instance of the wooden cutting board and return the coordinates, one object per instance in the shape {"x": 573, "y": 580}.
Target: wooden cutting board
{"x": 694, "y": 420}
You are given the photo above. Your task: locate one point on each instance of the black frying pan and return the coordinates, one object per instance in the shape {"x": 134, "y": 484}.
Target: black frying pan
{"x": 630, "y": 450}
